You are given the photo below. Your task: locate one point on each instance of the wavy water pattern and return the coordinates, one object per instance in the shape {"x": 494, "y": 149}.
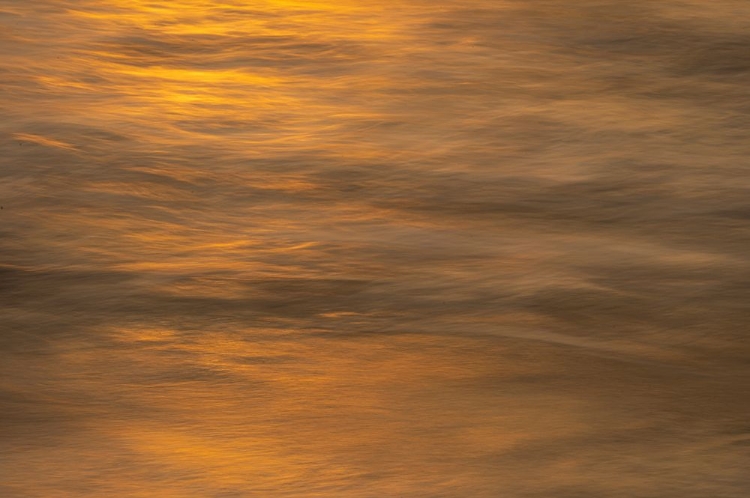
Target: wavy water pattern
{"x": 374, "y": 248}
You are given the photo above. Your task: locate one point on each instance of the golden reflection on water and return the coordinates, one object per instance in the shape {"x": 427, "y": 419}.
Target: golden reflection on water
{"x": 393, "y": 248}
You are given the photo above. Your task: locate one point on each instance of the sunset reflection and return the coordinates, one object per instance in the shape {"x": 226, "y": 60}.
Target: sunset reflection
{"x": 366, "y": 248}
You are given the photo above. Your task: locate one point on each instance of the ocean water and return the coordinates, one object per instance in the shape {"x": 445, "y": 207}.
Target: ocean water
{"x": 390, "y": 248}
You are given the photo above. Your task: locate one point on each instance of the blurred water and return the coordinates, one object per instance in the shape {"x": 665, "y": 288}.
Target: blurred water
{"x": 364, "y": 249}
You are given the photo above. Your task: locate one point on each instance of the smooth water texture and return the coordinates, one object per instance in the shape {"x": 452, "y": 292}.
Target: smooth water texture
{"x": 395, "y": 248}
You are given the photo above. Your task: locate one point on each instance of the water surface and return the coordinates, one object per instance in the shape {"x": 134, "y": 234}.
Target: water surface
{"x": 375, "y": 248}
